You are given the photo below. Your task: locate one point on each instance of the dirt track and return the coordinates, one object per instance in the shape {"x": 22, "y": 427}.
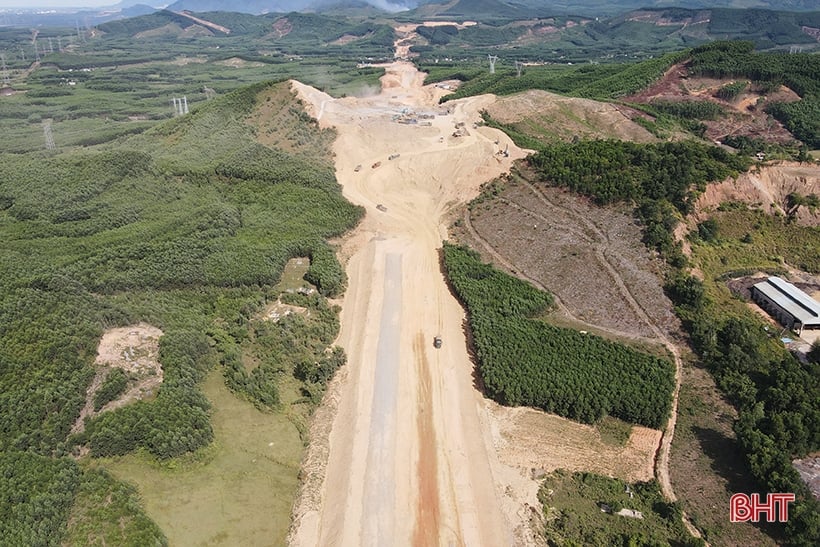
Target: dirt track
{"x": 410, "y": 457}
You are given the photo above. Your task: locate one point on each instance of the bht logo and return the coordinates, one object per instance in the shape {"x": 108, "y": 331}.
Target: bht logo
{"x": 744, "y": 508}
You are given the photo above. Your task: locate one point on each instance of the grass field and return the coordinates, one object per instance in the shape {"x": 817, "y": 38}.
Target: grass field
{"x": 238, "y": 491}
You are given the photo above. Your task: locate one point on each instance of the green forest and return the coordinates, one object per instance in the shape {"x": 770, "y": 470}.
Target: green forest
{"x": 594, "y": 81}
{"x": 776, "y": 396}
{"x": 525, "y": 361}
{"x": 187, "y": 227}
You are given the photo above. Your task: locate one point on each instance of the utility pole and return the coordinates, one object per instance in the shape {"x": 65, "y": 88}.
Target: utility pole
{"x": 493, "y": 59}
{"x": 6, "y": 79}
{"x": 48, "y": 135}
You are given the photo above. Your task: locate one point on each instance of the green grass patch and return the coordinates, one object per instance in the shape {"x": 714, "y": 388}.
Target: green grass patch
{"x": 614, "y": 431}
{"x": 239, "y": 490}
{"x": 580, "y": 509}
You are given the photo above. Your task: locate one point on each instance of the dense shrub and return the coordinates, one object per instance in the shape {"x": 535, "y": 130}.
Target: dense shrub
{"x": 112, "y": 387}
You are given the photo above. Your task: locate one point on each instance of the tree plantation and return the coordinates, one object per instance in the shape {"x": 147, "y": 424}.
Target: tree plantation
{"x": 524, "y": 361}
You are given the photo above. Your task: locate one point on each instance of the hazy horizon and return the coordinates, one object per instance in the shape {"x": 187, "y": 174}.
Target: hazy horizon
{"x": 38, "y": 4}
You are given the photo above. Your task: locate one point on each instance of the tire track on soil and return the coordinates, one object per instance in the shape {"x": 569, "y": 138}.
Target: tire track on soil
{"x": 662, "y": 455}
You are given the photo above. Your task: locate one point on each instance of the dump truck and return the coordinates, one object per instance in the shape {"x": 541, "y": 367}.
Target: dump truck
{"x": 437, "y": 342}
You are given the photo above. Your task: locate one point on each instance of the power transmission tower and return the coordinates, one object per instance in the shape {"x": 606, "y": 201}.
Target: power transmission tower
{"x": 48, "y": 135}
{"x": 50, "y": 45}
{"x": 23, "y": 55}
{"x": 493, "y": 59}
{"x": 80, "y": 36}
{"x": 180, "y": 105}
{"x": 6, "y": 79}
{"x": 209, "y": 93}
{"x": 518, "y": 67}
{"x": 59, "y": 44}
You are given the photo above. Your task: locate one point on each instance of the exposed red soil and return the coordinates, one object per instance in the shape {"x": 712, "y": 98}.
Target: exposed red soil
{"x": 766, "y": 188}
{"x": 745, "y": 115}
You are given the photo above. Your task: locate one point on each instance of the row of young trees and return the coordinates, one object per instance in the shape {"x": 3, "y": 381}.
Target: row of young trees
{"x": 524, "y": 361}
{"x": 605, "y": 81}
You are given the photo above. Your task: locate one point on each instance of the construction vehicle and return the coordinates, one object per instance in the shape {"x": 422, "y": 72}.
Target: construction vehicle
{"x": 393, "y": 156}
{"x": 358, "y": 168}
{"x": 381, "y": 208}
{"x": 375, "y": 165}
{"x": 437, "y": 342}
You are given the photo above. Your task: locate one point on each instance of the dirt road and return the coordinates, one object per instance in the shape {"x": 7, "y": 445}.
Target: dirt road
{"x": 410, "y": 457}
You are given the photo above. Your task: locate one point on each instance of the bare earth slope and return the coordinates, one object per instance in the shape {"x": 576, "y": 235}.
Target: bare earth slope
{"x": 410, "y": 457}
{"x": 767, "y": 187}
{"x": 543, "y": 114}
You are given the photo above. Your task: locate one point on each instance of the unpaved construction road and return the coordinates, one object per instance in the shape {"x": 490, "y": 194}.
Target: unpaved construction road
{"x": 410, "y": 459}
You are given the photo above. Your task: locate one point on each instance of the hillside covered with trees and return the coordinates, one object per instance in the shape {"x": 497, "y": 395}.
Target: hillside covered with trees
{"x": 186, "y": 227}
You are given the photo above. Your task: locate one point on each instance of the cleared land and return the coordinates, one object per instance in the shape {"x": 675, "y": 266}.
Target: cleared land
{"x": 592, "y": 258}
{"x": 460, "y": 464}
{"x": 135, "y": 350}
{"x": 549, "y": 117}
{"x": 745, "y": 115}
{"x": 767, "y": 189}
{"x": 447, "y": 484}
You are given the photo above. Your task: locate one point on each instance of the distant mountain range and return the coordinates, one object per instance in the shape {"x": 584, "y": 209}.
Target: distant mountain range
{"x": 410, "y": 9}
